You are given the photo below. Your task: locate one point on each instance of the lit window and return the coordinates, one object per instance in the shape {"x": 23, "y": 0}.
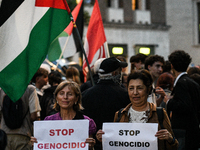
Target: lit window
{"x": 117, "y": 50}
{"x": 134, "y": 4}
{"x": 145, "y": 50}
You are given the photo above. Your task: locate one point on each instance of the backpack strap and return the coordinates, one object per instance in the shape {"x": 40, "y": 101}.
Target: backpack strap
{"x": 119, "y": 115}
{"x": 26, "y": 113}
{"x": 160, "y": 114}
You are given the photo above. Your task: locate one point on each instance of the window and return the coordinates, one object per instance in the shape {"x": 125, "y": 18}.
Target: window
{"x": 145, "y": 49}
{"x": 147, "y": 4}
{"x": 134, "y": 4}
{"x": 117, "y": 49}
{"x": 120, "y": 3}
{"x": 109, "y": 3}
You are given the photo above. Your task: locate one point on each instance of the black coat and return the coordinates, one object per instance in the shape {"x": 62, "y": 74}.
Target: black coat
{"x": 46, "y": 102}
{"x": 101, "y": 101}
{"x": 185, "y": 107}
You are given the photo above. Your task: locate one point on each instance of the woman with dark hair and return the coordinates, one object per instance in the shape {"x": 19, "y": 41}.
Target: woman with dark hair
{"x": 68, "y": 105}
{"x": 166, "y": 82}
{"x": 141, "y": 111}
{"x": 193, "y": 70}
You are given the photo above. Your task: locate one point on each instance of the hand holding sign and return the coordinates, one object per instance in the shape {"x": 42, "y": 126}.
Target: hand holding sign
{"x": 99, "y": 135}
{"x": 91, "y": 142}
{"x": 163, "y": 134}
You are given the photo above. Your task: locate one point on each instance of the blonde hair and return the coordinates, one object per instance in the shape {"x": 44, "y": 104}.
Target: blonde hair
{"x": 73, "y": 86}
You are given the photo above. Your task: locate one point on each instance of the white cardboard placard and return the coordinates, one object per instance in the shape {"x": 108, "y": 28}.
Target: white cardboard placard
{"x": 61, "y": 134}
{"x": 137, "y": 136}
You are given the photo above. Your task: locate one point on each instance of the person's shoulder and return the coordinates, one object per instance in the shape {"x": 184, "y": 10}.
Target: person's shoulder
{"x": 86, "y": 85}
{"x": 30, "y": 86}
{"x": 86, "y": 117}
{"x": 30, "y": 89}
{"x": 90, "y": 119}
{"x": 52, "y": 117}
{"x": 89, "y": 90}
{"x": 51, "y": 89}
{"x": 185, "y": 79}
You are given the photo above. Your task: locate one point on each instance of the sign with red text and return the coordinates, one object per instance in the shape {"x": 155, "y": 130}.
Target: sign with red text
{"x": 61, "y": 134}
{"x": 129, "y": 136}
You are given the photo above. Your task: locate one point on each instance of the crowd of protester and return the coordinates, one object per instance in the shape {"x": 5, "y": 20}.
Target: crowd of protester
{"x": 151, "y": 82}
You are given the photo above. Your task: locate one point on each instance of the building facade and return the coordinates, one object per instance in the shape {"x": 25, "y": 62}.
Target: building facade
{"x": 133, "y": 24}
{"x": 184, "y": 17}
{"x": 161, "y": 25}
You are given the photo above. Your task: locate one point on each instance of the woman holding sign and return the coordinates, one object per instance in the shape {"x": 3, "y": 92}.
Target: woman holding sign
{"x": 141, "y": 111}
{"x": 68, "y": 105}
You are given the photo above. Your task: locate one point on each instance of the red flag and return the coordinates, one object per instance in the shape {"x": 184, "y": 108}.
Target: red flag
{"x": 60, "y": 4}
{"x": 95, "y": 43}
{"x": 75, "y": 13}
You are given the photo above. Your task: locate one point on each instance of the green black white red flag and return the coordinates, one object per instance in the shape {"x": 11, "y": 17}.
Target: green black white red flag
{"x": 27, "y": 28}
{"x": 58, "y": 46}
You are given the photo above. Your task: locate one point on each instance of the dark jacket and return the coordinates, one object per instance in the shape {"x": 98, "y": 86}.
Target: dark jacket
{"x": 185, "y": 107}
{"x": 101, "y": 101}
{"x": 153, "y": 118}
{"x": 88, "y": 84}
{"x": 46, "y": 102}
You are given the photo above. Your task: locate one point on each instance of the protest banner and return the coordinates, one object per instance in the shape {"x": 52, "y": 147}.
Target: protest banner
{"x": 137, "y": 136}
{"x": 61, "y": 134}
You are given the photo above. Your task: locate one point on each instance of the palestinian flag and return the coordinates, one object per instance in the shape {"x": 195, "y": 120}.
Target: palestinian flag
{"x": 27, "y": 28}
{"x": 59, "y": 44}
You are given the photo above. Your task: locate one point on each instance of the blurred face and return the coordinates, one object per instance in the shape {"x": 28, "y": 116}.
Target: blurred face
{"x": 116, "y": 72}
{"x": 66, "y": 98}
{"x": 42, "y": 80}
{"x": 156, "y": 69}
{"x": 124, "y": 69}
{"x": 137, "y": 92}
{"x": 138, "y": 65}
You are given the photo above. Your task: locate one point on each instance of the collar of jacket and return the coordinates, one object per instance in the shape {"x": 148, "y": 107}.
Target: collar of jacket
{"x": 104, "y": 81}
{"x": 152, "y": 107}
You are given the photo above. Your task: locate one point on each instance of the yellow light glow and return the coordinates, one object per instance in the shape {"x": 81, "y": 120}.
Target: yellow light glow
{"x": 77, "y": 1}
{"x": 117, "y": 50}
{"x": 145, "y": 50}
{"x": 133, "y": 4}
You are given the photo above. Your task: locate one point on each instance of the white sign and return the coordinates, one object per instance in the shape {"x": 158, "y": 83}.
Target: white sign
{"x": 129, "y": 136}
{"x": 61, "y": 134}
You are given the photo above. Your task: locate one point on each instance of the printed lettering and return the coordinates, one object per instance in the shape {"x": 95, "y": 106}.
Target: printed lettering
{"x": 129, "y": 132}
{"x": 71, "y": 131}
{"x": 58, "y": 130}
{"x": 128, "y": 144}
{"x": 51, "y": 132}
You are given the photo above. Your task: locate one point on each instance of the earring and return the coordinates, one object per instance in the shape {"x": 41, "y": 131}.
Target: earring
{"x": 75, "y": 103}
{"x": 57, "y": 102}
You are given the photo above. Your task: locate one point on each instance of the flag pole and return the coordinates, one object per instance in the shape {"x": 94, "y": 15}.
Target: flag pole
{"x": 82, "y": 49}
{"x": 62, "y": 53}
{"x": 79, "y": 39}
